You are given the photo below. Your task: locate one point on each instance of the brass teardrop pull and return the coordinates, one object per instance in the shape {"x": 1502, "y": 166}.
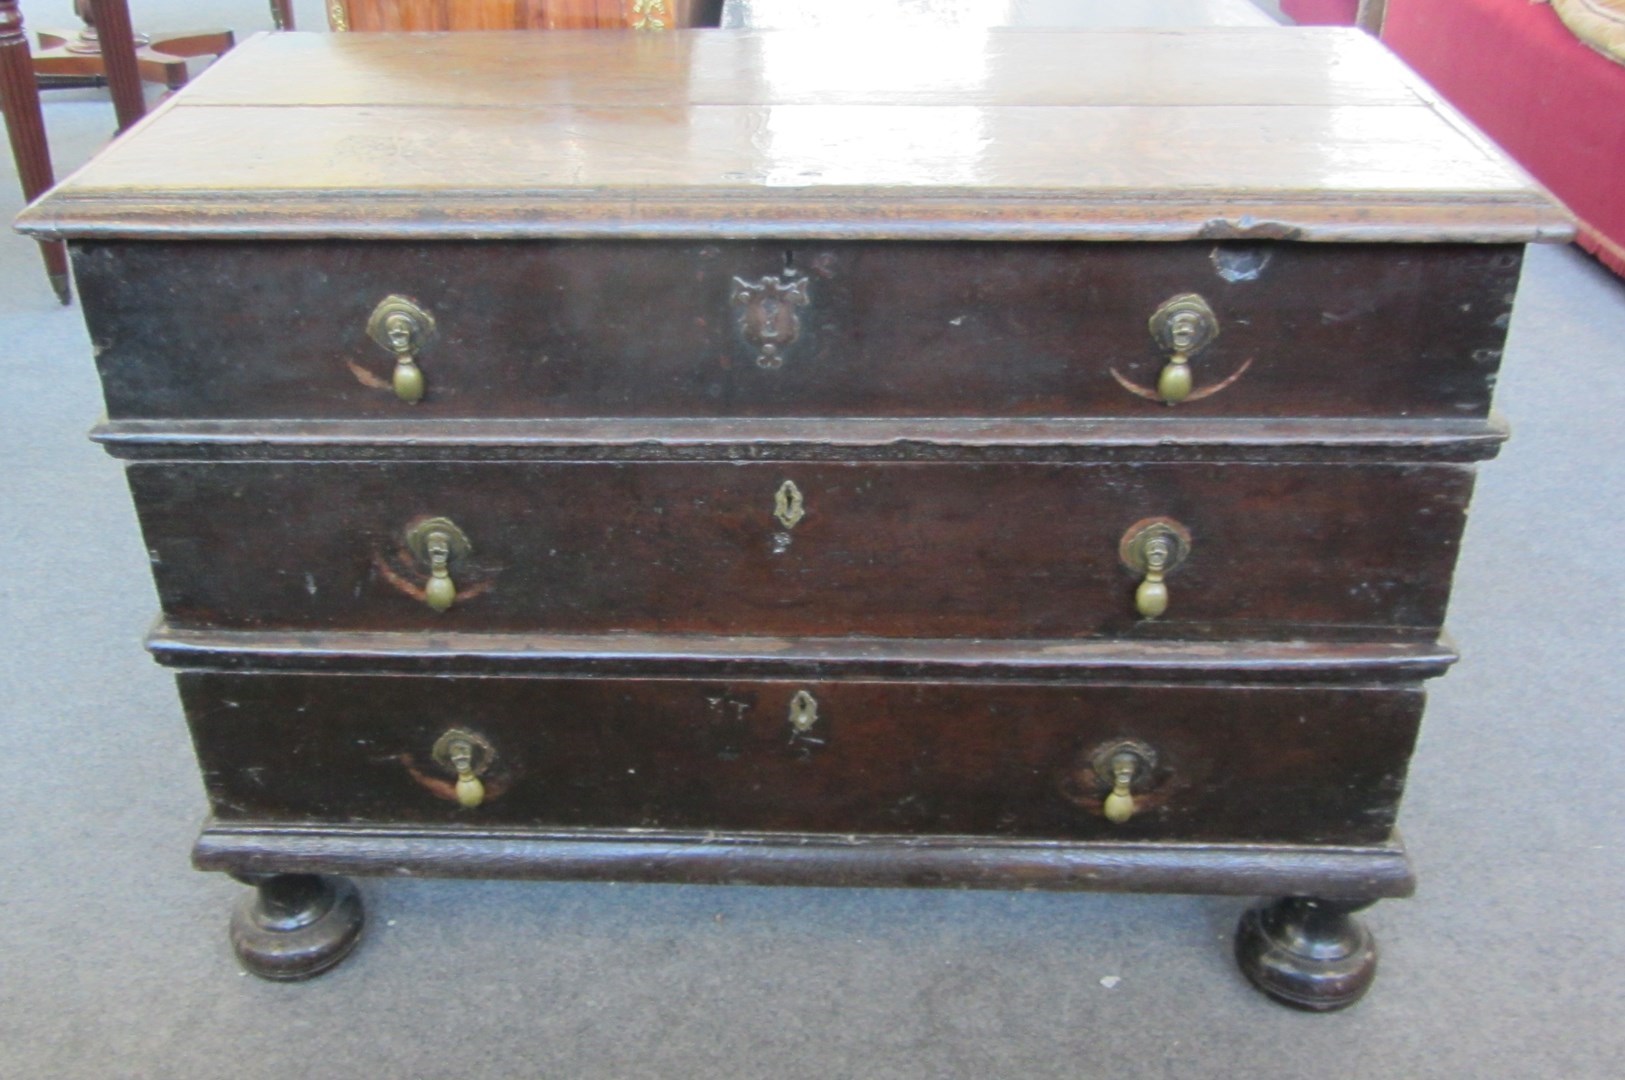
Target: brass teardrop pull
{"x": 1183, "y": 325}
{"x": 437, "y": 542}
{"x": 404, "y": 330}
{"x": 1124, "y": 766}
{"x": 1152, "y": 548}
{"x": 469, "y": 756}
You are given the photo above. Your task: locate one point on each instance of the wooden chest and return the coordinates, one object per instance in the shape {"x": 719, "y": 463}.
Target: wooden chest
{"x": 1038, "y": 461}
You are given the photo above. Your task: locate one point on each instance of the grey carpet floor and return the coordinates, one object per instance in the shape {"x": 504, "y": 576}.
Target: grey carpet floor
{"x": 114, "y": 962}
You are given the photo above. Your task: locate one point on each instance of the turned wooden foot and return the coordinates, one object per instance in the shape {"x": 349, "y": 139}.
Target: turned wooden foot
{"x": 295, "y": 926}
{"x": 1308, "y": 953}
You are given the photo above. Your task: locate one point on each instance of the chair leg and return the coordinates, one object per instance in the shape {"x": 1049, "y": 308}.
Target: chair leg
{"x": 25, "y": 124}
{"x": 112, "y": 22}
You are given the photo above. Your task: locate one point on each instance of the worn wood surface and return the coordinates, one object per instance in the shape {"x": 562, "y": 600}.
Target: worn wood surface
{"x": 1159, "y": 437}
{"x": 884, "y": 549}
{"x": 760, "y": 656}
{"x": 628, "y": 329}
{"x": 658, "y": 135}
{"x": 860, "y": 16}
{"x": 1232, "y": 763}
{"x": 1364, "y": 872}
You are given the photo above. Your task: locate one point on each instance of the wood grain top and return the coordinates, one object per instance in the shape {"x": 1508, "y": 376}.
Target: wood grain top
{"x": 1307, "y": 134}
{"x": 835, "y": 14}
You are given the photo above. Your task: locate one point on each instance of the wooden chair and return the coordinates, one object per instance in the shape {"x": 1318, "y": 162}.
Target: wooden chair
{"x": 25, "y": 123}
{"x": 517, "y": 14}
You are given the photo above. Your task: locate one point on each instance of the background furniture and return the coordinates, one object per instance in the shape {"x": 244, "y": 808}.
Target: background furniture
{"x": 520, "y": 14}
{"x": 1553, "y": 103}
{"x": 74, "y": 58}
{"x": 25, "y": 123}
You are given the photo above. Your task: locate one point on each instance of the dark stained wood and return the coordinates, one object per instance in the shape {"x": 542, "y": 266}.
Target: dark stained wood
{"x": 1233, "y": 763}
{"x": 1308, "y": 952}
{"x": 1355, "y": 873}
{"x": 282, "y": 14}
{"x": 117, "y": 37}
{"x": 25, "y": 128}
{"x": 296, "y": 926}
{"x": 1014, "y": 161}
{"x": 883, "y": 550}
{"x": 1160, "y": 437}
{"x": 649, "y": 329}
{"x": 909, "y": 274}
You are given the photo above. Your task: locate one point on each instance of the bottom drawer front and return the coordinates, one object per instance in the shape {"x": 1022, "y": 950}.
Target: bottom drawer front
{"x": 994, "y": 759}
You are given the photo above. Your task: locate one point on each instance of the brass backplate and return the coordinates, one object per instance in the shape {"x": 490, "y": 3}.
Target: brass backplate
{"x": 1184, "y": 324}
{"x": 417, "y": 539}
{"x": 481, "y": 753}
{"x": 423, "y": 329}
{"x": 1132, "y": 549}
{"x": 1101, "y": 758}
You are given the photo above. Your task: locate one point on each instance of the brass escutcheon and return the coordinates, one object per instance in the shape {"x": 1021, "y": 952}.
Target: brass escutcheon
{"x": 1153, "y": 548}
{"x": 803, "y": 712}
{"x": 469, "y": 756}
{"x": 768, "y": 316}
{"x": 1124, "y": 766}
{"x": 788, "y": 505}
{"x": 1183, "y": 325}
{"x": 437, "y": 543}
{"x": 404, "y": 330}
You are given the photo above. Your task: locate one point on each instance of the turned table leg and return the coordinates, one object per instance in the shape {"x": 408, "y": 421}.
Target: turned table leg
{"x": 25, "y": 124}
{"x": 1308, "y": 953}
{"x": 295, "y": 926}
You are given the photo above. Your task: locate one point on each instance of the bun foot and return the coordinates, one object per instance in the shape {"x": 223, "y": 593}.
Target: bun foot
{"x": 1308, "y": 953}
{"x": 295, "y": 926}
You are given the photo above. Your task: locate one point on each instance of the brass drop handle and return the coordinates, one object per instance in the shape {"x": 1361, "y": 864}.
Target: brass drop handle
{"x": 437, "y": 542}
{"x": 404, "y": 330}
{"x": 1123, "y": 765}
{"x": 1119, "y": 805}
{"x": 1183, "y": 325}
{"x": 1153, "y": 548}
{"x": 469, "y": 756}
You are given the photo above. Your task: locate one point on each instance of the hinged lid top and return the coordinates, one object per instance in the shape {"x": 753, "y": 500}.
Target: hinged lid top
{"x": 1308, "y": 134}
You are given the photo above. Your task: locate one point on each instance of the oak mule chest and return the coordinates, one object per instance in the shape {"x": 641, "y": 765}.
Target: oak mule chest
{"x": 1037, "y": 461}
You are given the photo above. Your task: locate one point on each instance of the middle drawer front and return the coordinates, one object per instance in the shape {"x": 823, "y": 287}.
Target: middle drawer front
{"x": 1239, "y": 763}
{"x": 884, "y": 549}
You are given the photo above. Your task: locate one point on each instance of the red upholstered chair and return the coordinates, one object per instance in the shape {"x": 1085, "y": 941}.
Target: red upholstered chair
{"x": 1321, "y": 12}
{"x": 1532, "y": 86}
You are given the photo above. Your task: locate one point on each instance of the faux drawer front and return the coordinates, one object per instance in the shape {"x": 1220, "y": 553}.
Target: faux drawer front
{"x": 1224, "y": 763}
{"x": 635, "y": 329}
{"x": 890, "y": 550}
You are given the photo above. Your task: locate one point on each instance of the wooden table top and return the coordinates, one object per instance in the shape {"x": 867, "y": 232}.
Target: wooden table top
{"x": 867, "y": 16}
{"x": 1313, "y": 134}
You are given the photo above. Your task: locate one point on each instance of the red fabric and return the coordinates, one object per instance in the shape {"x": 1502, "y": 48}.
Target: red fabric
{"x": 1321, "y": 12}
{"x": 1554, "y": 104}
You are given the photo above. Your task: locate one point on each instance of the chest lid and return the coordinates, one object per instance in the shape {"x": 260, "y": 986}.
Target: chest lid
{"x": 1284, "y": 133}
